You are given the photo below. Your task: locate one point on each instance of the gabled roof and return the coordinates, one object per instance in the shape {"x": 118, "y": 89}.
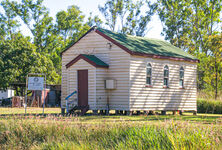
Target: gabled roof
{"x": 93, "y": 60}
{"x": 142, "y": 46}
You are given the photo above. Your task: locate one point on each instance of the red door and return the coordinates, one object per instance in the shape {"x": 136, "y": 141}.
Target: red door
{"x": 83, "y": 87}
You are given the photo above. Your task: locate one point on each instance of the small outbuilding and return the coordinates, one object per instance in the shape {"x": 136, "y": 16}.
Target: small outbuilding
{"x": 113, "y": 71}
{"x": 6, "y": 93}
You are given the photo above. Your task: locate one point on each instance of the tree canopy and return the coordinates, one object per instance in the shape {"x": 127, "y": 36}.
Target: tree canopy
{"x": 191, "y": 25}
{"x": 132, "y": 20}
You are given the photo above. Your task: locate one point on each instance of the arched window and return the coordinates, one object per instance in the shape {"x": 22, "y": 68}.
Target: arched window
{"x": 166, "y": 76}
{"x": 148, "y": 74}
{"x": 181, "y": 77}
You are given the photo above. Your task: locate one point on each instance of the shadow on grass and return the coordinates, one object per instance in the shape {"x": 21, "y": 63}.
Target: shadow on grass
{"x": 198, "y": 118}
{"x": 201, "y": 118}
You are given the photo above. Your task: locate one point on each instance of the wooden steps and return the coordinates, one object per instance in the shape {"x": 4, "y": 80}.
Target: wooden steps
{"x": 80, "y": 110}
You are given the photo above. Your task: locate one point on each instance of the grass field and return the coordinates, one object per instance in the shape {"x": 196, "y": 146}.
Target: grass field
{"x": 203, "y": 131}
{"x": 30, "y": 110}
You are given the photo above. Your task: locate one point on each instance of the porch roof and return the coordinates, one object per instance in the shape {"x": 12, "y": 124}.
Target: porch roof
{"x": 92, "y": 59}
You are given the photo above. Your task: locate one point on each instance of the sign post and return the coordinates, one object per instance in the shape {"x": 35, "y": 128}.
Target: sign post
{"x": 35, "y": 82}
{"x": 26, "y": 94}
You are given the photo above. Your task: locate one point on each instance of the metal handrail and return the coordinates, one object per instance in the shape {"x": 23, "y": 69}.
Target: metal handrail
{"x": 67, "y": 98}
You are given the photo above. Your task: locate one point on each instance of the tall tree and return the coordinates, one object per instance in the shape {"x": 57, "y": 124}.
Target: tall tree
{"x": 36, "y": 18}
{"x": 8, "y": 22}
{"x": 111, "y": 11}
{"x": 94, "y": 20}
{"x": 69, "y": 23}
{"x": 127, "y": 15}
{"x": 45, "y": 41}
{"x": 188, "y": 25}
{"x": 214, "y": 64}
{"x": 18, "y": 57}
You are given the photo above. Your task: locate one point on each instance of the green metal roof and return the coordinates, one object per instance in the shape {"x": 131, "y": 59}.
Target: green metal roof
{"x": 146, "y": 45}
{"x": 96, "y": 60}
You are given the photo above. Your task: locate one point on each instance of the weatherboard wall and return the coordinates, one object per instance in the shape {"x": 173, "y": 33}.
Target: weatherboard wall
{"x": 101, "y": 95}
{"x": 119, "y": 63}
{"x": 157, "y": 97}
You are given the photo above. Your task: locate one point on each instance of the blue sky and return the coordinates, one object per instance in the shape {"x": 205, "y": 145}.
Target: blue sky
{"x": 87, "y": 6}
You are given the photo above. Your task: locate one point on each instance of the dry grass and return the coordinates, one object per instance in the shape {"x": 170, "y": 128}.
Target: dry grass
{"x": 30, "y": 110}
{"x": 203, "y": 131}
{"x": 110, "y": 132}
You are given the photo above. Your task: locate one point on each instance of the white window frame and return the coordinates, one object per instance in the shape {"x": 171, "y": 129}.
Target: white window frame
{"x": 180, "y": 77}
{"x": 150, "y": 75}
{"x": 166, "y": 86}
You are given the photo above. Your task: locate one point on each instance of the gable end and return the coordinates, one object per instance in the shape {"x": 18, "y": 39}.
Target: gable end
{"x": 91, "y": 59}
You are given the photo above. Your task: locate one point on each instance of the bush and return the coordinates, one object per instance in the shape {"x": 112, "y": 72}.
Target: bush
{"x": 209, "y": 106}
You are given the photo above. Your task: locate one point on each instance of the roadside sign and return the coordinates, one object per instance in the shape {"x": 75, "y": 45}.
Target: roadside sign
{"x": 35, "y": 83}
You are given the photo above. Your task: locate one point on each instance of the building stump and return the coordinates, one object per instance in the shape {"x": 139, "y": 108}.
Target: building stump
{"x": 138, "y": 112}
{"x": 163, "y": 112}
{"x": 95, "y": 112}
{"x": 63, "y": 111}
{"x": 129, "y": 113}
{"x": 107, "y": 112}
{"x": 117, "y": 112}
{"x": 121, "y": 112}
{"x": 195, "y": 113}
{"x": 151, "y": 112}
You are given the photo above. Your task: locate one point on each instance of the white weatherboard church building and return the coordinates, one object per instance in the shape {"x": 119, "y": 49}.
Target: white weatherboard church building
{"x": 127, "y": 73}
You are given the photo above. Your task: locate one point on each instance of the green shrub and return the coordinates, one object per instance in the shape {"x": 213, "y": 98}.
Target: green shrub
{"x": 209, "y": 106}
